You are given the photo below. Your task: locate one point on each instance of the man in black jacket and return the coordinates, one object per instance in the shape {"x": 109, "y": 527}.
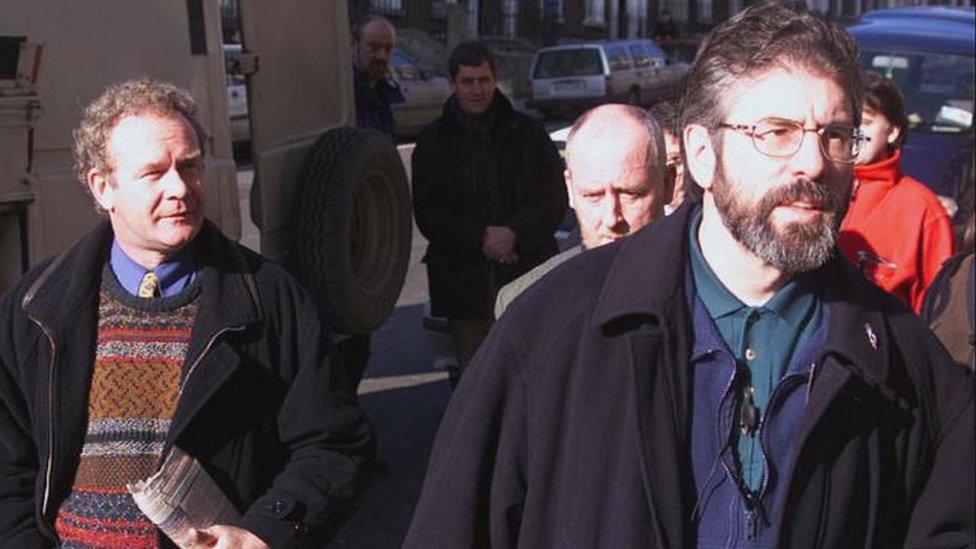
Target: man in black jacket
{"x": 155, "y": 331}
{"x": 723, "y": 377}
{"x": 488, "y": 195}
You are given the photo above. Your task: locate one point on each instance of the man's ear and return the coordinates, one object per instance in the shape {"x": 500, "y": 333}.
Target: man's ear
{"x": 101, "y": 189}
{"x": 569, "y": 187}
{"x": 700, "y": 154}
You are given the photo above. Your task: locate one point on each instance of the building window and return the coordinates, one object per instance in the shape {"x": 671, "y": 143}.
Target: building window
{"x": 595, "y": 11}
{"x": 392, "y": 7}
{"x": 552, "y": 9}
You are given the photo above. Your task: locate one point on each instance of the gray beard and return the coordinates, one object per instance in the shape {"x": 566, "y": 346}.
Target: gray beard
{"x": 799, "y": 247}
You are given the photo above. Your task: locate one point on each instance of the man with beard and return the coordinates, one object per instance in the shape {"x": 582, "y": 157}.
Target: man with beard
{"x": 373, "y": 40}
{"x": 724, "y": 377}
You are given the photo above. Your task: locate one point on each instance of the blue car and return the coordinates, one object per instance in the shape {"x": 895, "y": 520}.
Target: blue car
{"x": 928, "y": 52}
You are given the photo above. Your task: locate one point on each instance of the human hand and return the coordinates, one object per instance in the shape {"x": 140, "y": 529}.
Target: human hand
{"x": 222, "y": 536}
{"x": 498, "y": 244}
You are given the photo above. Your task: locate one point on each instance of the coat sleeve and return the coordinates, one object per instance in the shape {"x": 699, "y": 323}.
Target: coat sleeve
{"x": 328, "y": 436}
{"x": 474, "y": 489}
{"x": 18, "y": 453}
{"x": 545, "y": 204}
{"x": 944, "y": 512}
{"x": 457, "y": 235}
{"x": 937, "y": 243}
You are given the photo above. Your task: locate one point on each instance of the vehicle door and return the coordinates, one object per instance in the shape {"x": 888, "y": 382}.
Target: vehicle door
{"x": 677, "y": 58}
{"x": 289, "y": 41}
{"x": 424, "y": 95}
{"x": 645, "y": 68}
{"x": 622, "y": 80}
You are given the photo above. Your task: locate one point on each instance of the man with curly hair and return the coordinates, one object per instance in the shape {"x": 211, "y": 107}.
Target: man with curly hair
{"x": 155, "y": 331}
{"x": 724, "y": 377}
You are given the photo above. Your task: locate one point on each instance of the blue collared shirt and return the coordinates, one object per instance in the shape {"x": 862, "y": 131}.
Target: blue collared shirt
{"x": 771, "y": 348}
{"x": 174, "y": 275}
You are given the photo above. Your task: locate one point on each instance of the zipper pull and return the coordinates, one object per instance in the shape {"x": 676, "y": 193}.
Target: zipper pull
{"x": 748, "y": 412}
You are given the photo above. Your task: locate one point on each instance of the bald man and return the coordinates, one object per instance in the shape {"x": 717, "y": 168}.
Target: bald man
{"x": 617, "y": 183}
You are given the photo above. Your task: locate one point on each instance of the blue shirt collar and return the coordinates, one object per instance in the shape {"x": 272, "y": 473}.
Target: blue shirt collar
{"x": 174, "y": 275}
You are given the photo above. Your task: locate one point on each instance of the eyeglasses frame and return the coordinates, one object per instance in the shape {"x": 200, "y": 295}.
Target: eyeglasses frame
{"x": 750, "y": 130}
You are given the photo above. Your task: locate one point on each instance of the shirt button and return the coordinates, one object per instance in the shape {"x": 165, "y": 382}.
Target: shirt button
{"x": 750, "y": 354}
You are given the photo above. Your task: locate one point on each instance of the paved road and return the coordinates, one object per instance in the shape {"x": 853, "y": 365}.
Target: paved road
{"x": 403, "y": 394}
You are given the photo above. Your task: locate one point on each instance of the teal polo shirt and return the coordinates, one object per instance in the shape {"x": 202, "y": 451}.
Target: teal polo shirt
{"x": 762, "y": 339}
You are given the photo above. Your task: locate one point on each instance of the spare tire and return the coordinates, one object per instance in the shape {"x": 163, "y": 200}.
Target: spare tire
{"x": 353, "y": 227}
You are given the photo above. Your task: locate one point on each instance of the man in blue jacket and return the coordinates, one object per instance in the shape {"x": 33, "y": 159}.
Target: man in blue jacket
{"x": 155, "y": 331}
{"x": 723, "y": 377}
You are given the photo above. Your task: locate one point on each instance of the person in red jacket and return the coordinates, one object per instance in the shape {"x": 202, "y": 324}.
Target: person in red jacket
{"x": 896, "y": 230}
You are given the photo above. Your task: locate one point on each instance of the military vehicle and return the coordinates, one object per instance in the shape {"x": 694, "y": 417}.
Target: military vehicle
{"x": 331, "y": 202}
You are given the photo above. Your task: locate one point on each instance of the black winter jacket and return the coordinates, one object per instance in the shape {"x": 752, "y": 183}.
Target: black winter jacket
{"x": 457, "y": 194}
{"x": 571, "y": 426}
{"x": 262, "y": 405}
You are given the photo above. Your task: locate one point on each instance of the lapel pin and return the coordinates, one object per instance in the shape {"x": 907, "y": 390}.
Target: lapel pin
{"x": 872, "y": 338}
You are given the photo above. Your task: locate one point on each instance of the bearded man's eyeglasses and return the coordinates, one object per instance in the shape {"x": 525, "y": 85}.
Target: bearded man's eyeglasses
{"x": 781, "y": 138}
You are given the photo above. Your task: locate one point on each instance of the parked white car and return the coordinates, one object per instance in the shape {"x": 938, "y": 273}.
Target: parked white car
{"x": 240, "y": 125}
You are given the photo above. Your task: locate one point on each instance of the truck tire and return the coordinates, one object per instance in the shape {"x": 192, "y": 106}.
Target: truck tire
{"x": 353, "y": 227}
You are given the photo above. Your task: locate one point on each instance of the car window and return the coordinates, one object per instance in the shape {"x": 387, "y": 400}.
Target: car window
{"x": 642, "y": 57}
{"x": 680, "y": 52}
{"x": 619, "y": 60}
{"x": 403, "y": 67}
{"x": 568, "y": 62}
{"x": 938, "y": 88}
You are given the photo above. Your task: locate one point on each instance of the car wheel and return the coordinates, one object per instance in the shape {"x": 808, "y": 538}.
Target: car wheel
{"x": 353, "y": 227}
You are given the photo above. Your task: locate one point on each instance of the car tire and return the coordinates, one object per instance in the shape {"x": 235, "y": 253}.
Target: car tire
{"x": 353, "y": 227}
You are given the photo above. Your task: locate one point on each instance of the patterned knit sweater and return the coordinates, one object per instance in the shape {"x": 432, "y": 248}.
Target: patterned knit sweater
{"x": 142, "y": 344}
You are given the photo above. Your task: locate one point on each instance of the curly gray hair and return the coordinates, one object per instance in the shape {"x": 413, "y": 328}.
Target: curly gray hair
{"x": 138, "y": 96}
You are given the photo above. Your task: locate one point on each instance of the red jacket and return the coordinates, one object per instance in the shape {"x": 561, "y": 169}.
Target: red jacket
{"x": 896, "y": 231}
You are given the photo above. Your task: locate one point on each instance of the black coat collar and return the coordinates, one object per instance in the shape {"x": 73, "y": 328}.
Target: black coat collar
{"x": 71, "y": 280}
{"x": 504, "y": 115}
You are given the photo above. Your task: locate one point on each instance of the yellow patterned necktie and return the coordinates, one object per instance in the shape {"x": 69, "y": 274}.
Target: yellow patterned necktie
{"x": 149, "y": 287}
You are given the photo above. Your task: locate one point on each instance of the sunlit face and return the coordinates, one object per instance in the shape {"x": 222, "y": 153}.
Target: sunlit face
{"x": 676, "y": 165}
{"x": 474, "y": 88}
{"x": 154, "y": 191}
{"x": 784, "y": 210}
{"x": 374, "y": 49}
{"x": 612, "y": 186}
{"x": 881, "y": 134}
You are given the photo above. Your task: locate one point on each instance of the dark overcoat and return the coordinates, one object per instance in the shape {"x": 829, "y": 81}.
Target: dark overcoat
{"x": 571, "y": 426}
{"x": 454, "y": 200}
{"x": 264, "y": 405}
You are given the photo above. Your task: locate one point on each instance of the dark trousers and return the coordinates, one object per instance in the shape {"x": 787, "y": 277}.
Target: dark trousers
{"x": 468, "y": 333}
{"x": 354, "y": 351}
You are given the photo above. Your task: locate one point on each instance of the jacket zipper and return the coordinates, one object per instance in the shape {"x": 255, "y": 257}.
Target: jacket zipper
{"x": 49, "y": 467}
{"x": 206, "y": 349}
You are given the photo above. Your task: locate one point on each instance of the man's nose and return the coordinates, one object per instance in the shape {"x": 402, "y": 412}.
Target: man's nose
{"x": 610, "y": 211}
{"x": 809, "y": 160}
{"x": 175, "y": 184}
